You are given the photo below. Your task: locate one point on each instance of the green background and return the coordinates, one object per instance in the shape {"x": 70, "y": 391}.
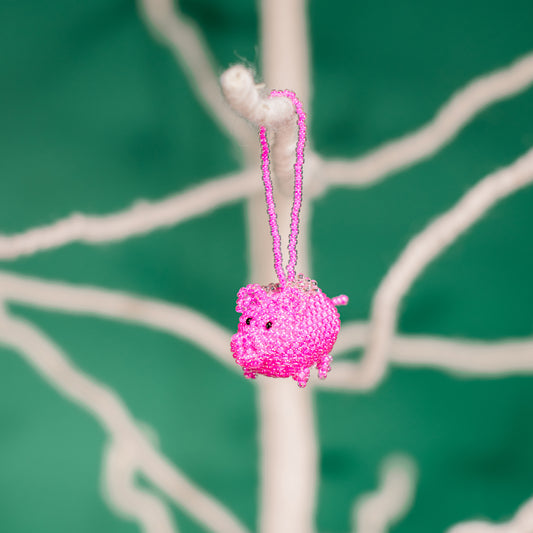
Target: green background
{"x": 95, "y": 114}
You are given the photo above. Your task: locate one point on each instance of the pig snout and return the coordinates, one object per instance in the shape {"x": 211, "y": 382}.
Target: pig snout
{"x": 245, "y": 351}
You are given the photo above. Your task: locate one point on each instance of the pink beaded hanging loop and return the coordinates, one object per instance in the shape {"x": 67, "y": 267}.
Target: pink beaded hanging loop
{"x": 297, "y": 203}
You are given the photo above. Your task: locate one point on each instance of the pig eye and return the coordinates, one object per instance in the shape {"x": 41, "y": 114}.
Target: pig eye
{"x": 268, "y": 325}
{"x": 248, "y": 320}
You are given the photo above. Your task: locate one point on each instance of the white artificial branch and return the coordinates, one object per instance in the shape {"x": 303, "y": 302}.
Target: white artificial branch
{"x": 177, "y": 320}
{"x": 110, "y": 412}
{"x": 522, "y": 522}
{"x": 139, "y": 219}
{"x": 285, "y": 46}
{"x": 395, "y": 155}
{"x": 424, "y": 248}
{"x": 462, "y": 357}
{"x": 377, "y": 511}
{"x": 126, "y": 498}
{"x": 478, "y": 359}
{"x": 205, "y": 509}
{"x": 288, "y": 442}
{"x": 190, "y": 49}
{"x": 288, "y": 457}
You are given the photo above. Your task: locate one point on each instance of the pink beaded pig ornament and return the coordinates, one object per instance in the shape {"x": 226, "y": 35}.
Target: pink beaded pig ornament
{"x": 286, "y": 327}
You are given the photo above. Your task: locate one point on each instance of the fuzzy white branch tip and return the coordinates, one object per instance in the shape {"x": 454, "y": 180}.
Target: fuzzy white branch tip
{"x": 377, "y": 511}
{"x": 249, "y": 100}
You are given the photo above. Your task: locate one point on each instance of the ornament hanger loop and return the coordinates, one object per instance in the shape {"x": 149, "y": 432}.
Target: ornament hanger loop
{"x": 297, "y": 201}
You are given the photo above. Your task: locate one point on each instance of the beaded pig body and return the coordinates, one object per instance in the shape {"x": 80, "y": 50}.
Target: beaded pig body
{"x": 287, "y": 327}
{"x": 284, "y": 331}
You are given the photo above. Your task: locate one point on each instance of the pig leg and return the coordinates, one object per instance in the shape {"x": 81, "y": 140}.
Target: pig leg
{"x": 302, "y": 377}
{"x": 323, "y": 366}
{"x": 249, "y": 374}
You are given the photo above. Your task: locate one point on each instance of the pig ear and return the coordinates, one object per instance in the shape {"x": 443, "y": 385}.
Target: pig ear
{"x": 249, "y": 296}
